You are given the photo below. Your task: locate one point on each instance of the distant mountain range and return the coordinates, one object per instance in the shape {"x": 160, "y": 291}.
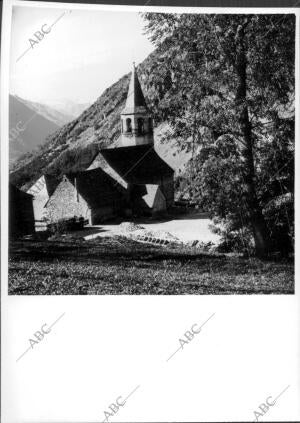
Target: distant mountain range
{"x": 59, "y": 117}
{"x": 30, "y": 123}
{"x": 28, "y": 129}
{"x": 68, "y": 107}
{"x": 71, "y": 147}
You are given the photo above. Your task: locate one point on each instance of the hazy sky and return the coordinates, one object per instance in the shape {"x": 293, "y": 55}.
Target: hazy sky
{"x": 84, "y": 53}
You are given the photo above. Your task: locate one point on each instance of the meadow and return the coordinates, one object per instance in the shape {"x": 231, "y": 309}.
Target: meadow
{"x": 118, "y": 265}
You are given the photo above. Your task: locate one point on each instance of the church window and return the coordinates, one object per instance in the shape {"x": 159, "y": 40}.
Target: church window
{"x": 140, "y": 122}
{"x": 128, "y": 125}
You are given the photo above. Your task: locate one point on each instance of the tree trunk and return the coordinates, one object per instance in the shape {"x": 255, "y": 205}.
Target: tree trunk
{"x": 256, "y": 218}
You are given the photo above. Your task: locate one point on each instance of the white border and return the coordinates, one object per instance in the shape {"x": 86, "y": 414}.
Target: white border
{"x": 105, "y": 346}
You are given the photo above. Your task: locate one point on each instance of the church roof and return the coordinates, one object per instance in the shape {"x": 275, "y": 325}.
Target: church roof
{"x": 50, "y": 181}
{"x": 96, "y": 186}
{"x": 136, "y": 164}
{"x": 100, "y": 162}
{"x": 135, "y": 102}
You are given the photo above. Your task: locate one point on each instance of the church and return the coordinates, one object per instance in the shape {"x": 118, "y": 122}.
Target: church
{"x": 127, "y": 180}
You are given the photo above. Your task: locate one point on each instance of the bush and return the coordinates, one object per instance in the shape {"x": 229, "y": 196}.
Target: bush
{"x": 280, "y": 220}
{"x": 58, "y": 228}
{"x": 232, "y": 239}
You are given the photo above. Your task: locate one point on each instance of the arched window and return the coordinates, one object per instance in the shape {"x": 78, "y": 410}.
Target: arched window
{"x": 128, "y": 125}
{"x": 140, "y": 123}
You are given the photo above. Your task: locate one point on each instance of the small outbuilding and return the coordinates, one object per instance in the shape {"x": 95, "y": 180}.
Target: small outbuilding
{"x": 41, "y": 190}
{"x": 92, "y": 194}
{"x": 21, "y": 216}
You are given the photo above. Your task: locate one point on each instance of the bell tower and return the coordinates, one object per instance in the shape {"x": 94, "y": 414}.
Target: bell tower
{"x": 136, "y": 119}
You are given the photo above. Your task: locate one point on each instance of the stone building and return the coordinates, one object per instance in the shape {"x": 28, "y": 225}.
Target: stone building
{"x": 21, "y": 216}
{"x": 92, "y": 194}
{"x": 41, "y": 190}
{"x": 128, "y": 179}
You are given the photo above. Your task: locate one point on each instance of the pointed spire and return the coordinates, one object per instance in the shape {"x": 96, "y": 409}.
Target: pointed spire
{"x": 135, "y": 102}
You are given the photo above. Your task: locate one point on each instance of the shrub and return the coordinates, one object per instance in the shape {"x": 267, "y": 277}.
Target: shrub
{"x": 233, "y": 239}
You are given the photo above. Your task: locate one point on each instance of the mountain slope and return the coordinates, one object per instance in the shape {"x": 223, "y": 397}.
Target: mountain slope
{"x": 28, "y": 129}
{"x": 68, "y": 107}
{"x": 50, "y": 113}
{"x": 71, "y": 147}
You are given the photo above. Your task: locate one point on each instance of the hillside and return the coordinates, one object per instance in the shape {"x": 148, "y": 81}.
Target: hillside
{"x": 71, "y": 147}
{"x": 54, "y": 115}
{"x": 28, "y": 128}
{"x": 68, "y": 107}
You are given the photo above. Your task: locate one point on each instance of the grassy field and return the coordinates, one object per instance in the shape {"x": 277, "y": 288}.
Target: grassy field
{"x": 122, "y": 266}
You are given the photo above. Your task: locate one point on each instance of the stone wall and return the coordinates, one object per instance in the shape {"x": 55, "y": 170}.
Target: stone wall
{"x": 167, "y": 188}
{"x": 65, "y": 203}
{"x": 159, "y": 202}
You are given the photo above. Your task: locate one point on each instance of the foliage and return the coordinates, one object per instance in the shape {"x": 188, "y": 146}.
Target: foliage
{"x": 59, "y": 227}
{"x": 234, "y": 236}
{"x": 226, "y": 83}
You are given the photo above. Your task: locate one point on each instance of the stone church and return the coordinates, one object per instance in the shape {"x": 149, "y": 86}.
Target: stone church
{"x": 128, "y": 180}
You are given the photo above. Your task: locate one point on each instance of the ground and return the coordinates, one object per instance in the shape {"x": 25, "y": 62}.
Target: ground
{"x": 185, "y": 227}
{"x": 118, "y": 265}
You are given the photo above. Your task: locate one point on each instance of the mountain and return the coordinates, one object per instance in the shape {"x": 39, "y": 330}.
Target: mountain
{"x": 68, "y": 107}
{"x": 71, "y": 147}
{"x": 54, "y": 115}
{"x": 28, "y": 129}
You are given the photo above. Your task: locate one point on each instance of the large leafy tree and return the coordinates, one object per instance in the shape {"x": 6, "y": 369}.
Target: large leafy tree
{"x": 226, "y": 83}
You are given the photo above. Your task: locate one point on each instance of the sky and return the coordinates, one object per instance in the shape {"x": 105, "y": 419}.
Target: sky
{"x": 81, "y": 54}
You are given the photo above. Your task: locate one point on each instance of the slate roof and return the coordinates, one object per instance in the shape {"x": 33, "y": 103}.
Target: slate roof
{"x": 15, "y": 192}
{"x": 135, "y": 102}
{"x": 51, "y": 183}
{"x": 99, "y": 161}
{"x": 137, "y": 163}
{"x": 96, "y": 187}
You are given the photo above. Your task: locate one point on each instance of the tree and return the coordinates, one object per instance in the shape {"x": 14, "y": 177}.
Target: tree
{"x": 232, "y": 76}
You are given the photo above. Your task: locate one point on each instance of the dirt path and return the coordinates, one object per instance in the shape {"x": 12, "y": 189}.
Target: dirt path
{"x": 187, "y": 228}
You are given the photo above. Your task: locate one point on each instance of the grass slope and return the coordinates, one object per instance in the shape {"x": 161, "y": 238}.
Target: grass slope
{"x": 122, "y": 266}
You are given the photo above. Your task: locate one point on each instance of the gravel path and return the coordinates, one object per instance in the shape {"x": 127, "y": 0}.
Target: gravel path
{"x": 185, "y": 230}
